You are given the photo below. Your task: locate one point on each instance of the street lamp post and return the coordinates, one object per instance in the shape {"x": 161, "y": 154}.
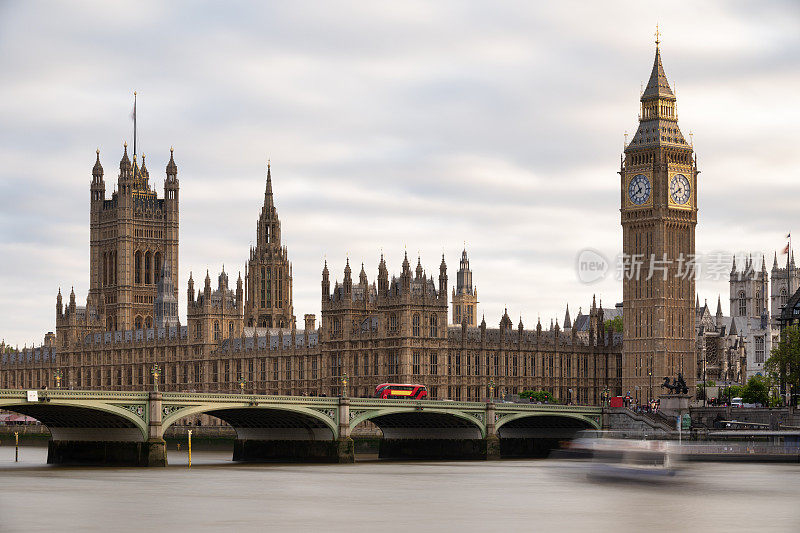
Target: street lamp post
{"x": 344, "y": 385}
{"x": 491, "y": 390}
{"x": 650, "y": 389}
{"x": 58, "y": 375}
{"x": 242, "y": 383}
{"x": 156, "y": 372}
{"x": 603, "y": 400}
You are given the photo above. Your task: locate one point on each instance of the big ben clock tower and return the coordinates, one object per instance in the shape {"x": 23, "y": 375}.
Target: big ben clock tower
{"x": 658, "y": 178}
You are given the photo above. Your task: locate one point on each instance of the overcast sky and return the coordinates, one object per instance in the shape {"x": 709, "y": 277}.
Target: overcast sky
{"x": 391, "y": 126}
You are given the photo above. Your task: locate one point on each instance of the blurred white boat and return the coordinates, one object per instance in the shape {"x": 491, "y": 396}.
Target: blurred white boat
{"x": 632, "y": 460}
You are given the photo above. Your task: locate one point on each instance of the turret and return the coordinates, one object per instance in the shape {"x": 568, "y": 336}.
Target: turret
{"x": 239, "y": 294}
{"x": 72, "y": 301}
{"x": 98, "y": 188}
{"x": 59, "y": 305}
{"x": 383, "y": 278}
{"x": 443, "y": 278}
{"x": 190, "y": 290}
{"x": 124, "y": 183}
{"x": 419, "y": 270}
{"x": 326, "y": 283}
{"x": 207, "y": 289}
{"x": 171, "y": 185}
{"x": 362, "y": 277}
{"x": 567, "y": 321}
{"x": 348, "y": 280}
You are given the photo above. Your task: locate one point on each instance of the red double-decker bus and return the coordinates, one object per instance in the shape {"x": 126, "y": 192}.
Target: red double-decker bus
{"x": 401, "y": 391}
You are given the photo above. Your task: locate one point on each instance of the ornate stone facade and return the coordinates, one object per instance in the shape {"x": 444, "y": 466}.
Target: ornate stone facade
{"x": 465, "y": 296}
{"x": 658, "y": 178}
{"x": 269, "y": 272}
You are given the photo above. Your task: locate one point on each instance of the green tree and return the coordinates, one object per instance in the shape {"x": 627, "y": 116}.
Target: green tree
{"x": 538, "y": 396}
{"x": 734, "y": 391}
{"x": 756, "y": 390}
{"x": 783, "y": 364}
{"x": 615, "y": 324}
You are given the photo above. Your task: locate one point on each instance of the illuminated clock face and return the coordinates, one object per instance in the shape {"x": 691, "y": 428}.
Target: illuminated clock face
{"x": 679, "y": 189}
{"x": 639, "y": 189}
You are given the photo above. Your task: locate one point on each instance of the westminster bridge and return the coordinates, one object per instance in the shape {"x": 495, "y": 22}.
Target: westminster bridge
{"x": 96, "y": 427}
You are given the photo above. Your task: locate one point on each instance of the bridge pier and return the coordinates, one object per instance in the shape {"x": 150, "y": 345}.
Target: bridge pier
{"x": 106, "y": 453}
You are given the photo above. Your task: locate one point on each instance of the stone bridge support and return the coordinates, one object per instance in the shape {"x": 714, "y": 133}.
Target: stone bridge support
{"x": 108, "y": 446}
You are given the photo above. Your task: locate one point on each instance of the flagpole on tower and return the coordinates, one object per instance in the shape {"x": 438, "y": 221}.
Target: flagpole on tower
{"x": 134, "y": 123}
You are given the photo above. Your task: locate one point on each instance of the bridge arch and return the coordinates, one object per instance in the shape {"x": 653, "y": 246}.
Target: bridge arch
{"x": 410, "y": 422}
{"x": 265, "y": 422}
{"x": 79, "y": 421}
{"x": 560, "y": 423}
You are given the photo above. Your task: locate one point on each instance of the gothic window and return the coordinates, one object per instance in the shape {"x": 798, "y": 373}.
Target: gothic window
{"x": 230, "y": 330}
{"x": 415, "y": 364}
{"x": 137, "y": 267}
{"x": 337, "y": 326}
{"x": 216, "y": 330}
{"x": 783, "y": 297}
{"x": 366, "y": 364}
{"x": 263, "y": 296}
{"x": 434, "y": 363}
{"x": 157, "y": 267}
{"x": 742, "y": 304}
{"x": 138, "y": 322}
{"x": 759, "y": 349}
{"x": 269, "y": 288}
{"x": 148, "y": 322}
{"x": 415, "y": 325}
{"x": 198, "y": 330}
{"x": 148, "y": 268}
{"x": 759, "y": 306}
{"x": 434, "y": 326}
{"x": 375, "y": 364}
{"x": 314, "y": 368}
{"x": 393, "y": 322}
{"x": 458, "y": 314}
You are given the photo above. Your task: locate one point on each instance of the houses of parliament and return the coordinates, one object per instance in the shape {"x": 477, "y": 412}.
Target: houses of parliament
{"x": 406, "y": 324}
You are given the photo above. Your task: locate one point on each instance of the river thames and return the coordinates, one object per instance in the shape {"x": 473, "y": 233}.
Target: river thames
{"x": 371, "y": 495}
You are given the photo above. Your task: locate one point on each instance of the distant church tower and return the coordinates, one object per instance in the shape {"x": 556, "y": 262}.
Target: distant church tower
{"x": 658, "y": 178}
{"x": 465, "y": 296}
{"x": 781, "y": 287}
{"x": 269, "y": 274}
{"x": 131, "y": 235}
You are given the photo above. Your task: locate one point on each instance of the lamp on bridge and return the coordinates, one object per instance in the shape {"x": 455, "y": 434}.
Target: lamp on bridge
{"x": 344, "y": 385}
{"x": 491, "y": 390}
{"x": 58, "y": 375}
{"x": 242, "y": 382}
{"x": 156, "y": 372}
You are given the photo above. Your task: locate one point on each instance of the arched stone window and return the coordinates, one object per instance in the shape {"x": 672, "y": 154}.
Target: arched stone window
{"x": 138, "y": 322}
{"x": 393, "y": 322}
{"x": 434, "y": 326}
{"x": 742, "y": 304}
{"x": 216, "y": 330}
{"x": 148, "y": 268}
{"x": 148, "y": 322}
{"x": 415, "y": 325}
{"x": 783, "y": 297}
{"x": 157, "y": 267}
{"x": 337, "y": 326}
{"x": 230, "y": 330}
{"x": 137, "y": 267}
